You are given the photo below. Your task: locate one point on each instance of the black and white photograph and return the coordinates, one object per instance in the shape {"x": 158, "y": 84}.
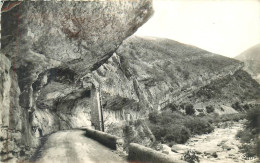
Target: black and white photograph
{"x": 130, "y": 81}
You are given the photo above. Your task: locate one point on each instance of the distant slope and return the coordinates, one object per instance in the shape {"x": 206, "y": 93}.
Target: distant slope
{"x": 184, "y": 69}
{"x": 150, "y": 73}
{"x": 239, "y": 87}
{"x": 251, "y": 58}
{"x": 147, "y": 74}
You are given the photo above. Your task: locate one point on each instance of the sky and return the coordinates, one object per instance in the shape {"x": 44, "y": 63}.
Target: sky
{"x": 225, "y": 27}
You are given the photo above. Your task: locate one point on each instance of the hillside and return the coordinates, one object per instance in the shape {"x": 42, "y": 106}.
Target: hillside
{"x": 150, "y": 73}
{"x": 251, "y": 58}
{"x": 147, "y": 74}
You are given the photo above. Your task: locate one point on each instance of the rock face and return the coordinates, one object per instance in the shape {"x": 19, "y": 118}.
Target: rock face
{"x": 48, "y": 49}
{"x": 80, "y": 36}
{"x": 5, "y": 88}
{"x": 251, "y": 58}
{"x": 147, "y": 74}
{"x": 177, "y": 71}
{"x": 133, "y": 82}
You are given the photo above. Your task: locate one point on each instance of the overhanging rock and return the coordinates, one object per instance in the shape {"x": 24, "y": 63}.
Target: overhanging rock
{"x": 80, "y": 35}
{"x": 53, "y": 44}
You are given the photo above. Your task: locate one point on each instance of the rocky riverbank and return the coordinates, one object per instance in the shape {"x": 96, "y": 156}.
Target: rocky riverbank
{"x": 220, "y": 146}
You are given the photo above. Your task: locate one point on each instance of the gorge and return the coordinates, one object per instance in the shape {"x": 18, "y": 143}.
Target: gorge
{"x": 59, "y": 60}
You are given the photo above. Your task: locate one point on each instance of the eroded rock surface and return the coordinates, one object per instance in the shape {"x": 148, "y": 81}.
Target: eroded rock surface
{"x": 47, "y": 47}
{"x": 151, "y": 73}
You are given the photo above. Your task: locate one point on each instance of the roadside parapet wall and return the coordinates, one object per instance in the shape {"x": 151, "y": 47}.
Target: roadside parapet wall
{"x": 106, "y": 139}
{"x": 139, "y": 153}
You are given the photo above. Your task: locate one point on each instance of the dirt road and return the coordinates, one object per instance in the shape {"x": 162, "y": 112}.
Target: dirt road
{"x": 72, "y": 146}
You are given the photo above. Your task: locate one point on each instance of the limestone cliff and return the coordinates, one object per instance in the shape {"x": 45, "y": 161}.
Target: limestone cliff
{"x": 47, "y": 47}
{"x": 147, "y": 74}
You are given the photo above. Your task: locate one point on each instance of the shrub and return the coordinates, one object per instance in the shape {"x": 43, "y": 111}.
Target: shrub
{"x": 189, "y": 109}
{"x": 199, "y": 126}
{"x": 173, "y": 107}
{"x": 210, "y": 109}
{"x": 249, "y": 136}
{"x": 253, "y": 117}
{"x": 246, "y": 107}
{"x": 153, "y": 117}
{"x": 237, "y": 106}
{"x": 245, "y": 135}
{"x": 191, "y": 157}
{"x": 177, "y": 133}
{"x": 158, "y": 131}
{"x": 249, "y": 150}
{"x": 176, "y": 127}
{"x": 174, "y": 116}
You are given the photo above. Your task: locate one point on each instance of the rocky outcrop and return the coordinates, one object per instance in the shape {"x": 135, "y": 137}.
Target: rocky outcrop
{"x": 51, "y": 47}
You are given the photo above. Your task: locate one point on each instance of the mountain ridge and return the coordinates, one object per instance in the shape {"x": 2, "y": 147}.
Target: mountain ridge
{"x": 251, "y": 58}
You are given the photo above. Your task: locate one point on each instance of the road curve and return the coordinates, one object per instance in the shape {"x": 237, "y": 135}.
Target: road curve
{"x": 72, "y": 146}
